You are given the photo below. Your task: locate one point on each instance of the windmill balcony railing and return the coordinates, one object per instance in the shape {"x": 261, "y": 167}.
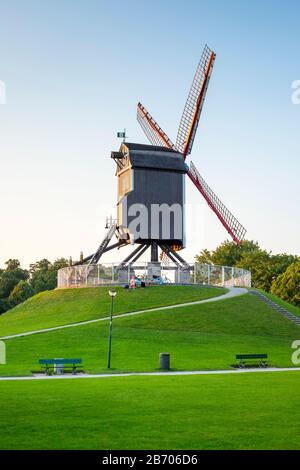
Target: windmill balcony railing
{"x": 169, "y": 273}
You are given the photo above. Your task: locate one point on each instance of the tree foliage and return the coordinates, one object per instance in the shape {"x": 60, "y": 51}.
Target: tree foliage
{"x": 228, "y": 253}
{"x": 21, "y": 292}
{"x": 10, "y": 277}
{"x": 43, "y": 274}
{"x": 264, "y": 266}
{"x": 17, "y": 284}
{"x": 287, "y": 285}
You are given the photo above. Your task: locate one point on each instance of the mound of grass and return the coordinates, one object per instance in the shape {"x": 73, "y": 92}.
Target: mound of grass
{"x": 61, "y": 307}
{"x": 206, "y": 336}
{"x": 243, "y": 411}
{"x": 289, "y": 307}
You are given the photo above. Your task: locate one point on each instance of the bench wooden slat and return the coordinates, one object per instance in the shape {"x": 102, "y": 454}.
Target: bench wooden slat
{"x": 251, "y": 356}
{"x": 59, "y": 361}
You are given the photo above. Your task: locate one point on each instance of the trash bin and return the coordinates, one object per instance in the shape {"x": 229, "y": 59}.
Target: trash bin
{"x": 164, "y": 361}
{"x": 58, "y": 368}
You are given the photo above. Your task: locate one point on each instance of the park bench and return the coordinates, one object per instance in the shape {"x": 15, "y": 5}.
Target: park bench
{"x": 252, "y": 359}
{"x": 68, "y": 365}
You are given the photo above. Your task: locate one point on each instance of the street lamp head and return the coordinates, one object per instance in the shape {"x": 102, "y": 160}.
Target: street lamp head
{"x": 112, "y": 293}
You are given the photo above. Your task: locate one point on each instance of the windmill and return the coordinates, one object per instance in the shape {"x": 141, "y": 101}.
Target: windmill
{"x": 154, "y": 175}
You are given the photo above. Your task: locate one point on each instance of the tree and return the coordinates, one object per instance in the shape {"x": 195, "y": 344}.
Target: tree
{"x": 43, "y": 274}
{"x": 17, "y": 284}
{"x": 4, "y": 305}
{"x": 21, "y": 292}
{"x": 258, "y": 263}
{"x": 228, "y": 253}
{"x": 287, "y": 285}
{"x": 60, "y": 263}
{"x": 10, "y": 277}
{"x": 204, "y": 257}
{"x": 12, "y": 264}
{"x": 280, "y": 263}
{"x": 264, "y": 266}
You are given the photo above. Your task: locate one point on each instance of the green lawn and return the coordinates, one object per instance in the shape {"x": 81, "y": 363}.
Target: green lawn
{"x": 206, "y": 336}
{"x": 60, "y": 307}
{"x": 242, "y": 411}
{"x": 245, "y": 411}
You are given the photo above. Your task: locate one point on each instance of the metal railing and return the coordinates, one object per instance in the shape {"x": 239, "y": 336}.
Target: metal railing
{"x": 110, "y": 274}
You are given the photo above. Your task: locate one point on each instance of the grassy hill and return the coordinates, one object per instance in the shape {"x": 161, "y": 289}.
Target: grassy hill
{"x": 243, "y": 411}
{"x": 64, "y": 306}
{"x": 291, "y": 308}
{"x": 206, "y": 336}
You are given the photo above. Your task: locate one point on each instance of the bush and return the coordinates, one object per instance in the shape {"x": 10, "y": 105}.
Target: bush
{"x": 21, "y": 292}
{"x": 287, "y": 285}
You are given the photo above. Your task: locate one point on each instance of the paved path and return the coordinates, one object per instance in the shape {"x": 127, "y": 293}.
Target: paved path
{"x": 151, "y": 374}
{"x": 233, "y": 292}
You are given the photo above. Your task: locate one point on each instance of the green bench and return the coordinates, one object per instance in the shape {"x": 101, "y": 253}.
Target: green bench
{"x": 72, "y": 365}
{"x": 255, "y": 359}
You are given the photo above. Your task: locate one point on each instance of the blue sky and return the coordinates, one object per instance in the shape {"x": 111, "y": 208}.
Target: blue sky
{"x": 74, "y": 71}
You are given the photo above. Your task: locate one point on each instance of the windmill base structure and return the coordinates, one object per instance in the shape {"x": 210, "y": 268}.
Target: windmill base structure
{"x": 151, "y": 182}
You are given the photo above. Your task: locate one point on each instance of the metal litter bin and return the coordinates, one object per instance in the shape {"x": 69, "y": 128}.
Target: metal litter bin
{"x": 164, "y": 361}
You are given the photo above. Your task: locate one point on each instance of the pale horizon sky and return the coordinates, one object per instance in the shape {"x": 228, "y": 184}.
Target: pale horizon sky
{"x": 74, "y": 72}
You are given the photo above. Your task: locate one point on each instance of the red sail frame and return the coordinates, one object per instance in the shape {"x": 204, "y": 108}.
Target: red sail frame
{"x": 153, "y": 131}
{"x": 232, "y": 225}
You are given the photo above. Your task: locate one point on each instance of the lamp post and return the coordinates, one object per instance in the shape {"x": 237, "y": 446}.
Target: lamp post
{"x": 112, "y": 294}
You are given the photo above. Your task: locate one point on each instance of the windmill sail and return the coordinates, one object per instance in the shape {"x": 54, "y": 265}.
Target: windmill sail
{"x": 152, "y": 130}
{"x": 194, "y": 104}
{"x": 232, "y": 225}
{"x": 185, "y": 139}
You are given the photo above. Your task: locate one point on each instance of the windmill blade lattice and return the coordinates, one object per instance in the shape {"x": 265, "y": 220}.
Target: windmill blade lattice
{"x": 194, "y": 104}
{"x": 152, "y": 130}
{"x": 232, "y": 225}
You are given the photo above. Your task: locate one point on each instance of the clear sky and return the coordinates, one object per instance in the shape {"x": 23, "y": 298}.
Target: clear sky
{"x": 74, "y": 71}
